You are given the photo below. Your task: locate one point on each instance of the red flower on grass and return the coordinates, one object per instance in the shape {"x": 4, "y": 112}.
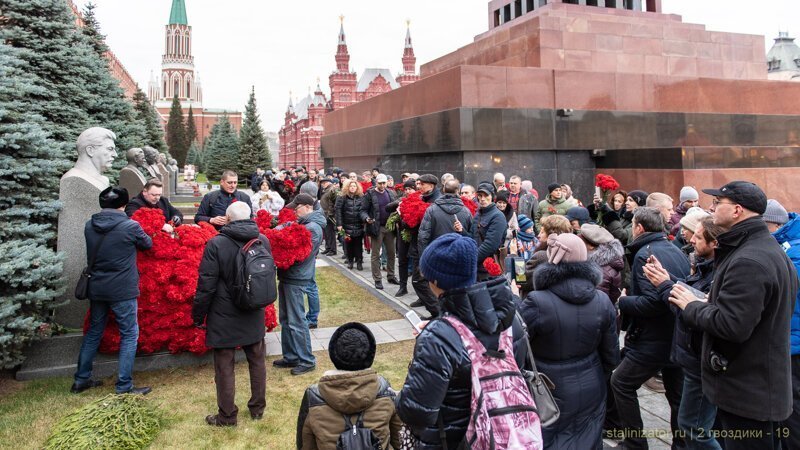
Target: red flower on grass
{"x": 492, "y": 267}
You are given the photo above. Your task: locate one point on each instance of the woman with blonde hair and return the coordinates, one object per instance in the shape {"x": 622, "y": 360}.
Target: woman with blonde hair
{"x": 348, "y": 221}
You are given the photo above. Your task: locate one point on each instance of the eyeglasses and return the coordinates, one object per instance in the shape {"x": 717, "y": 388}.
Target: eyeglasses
{"x": 717, "y": 201}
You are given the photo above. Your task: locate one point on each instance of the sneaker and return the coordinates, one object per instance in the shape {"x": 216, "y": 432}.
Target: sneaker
{"x": 401, "y": 292}
{"x": 416, "y": 303}
{"x": 78, "y": 388}
{"x": 299, "y": 370}
{"x": 378, "y": 285}
{"x": 655, "y": 385}
{"x": 215, "y": 421}
{"x": 392, "y": 280}
{"x": 144, "y": 390}
{"x": 284, "y": 364}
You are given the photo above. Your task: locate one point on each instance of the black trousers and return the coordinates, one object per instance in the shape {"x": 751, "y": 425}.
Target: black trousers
{"x": 224, "y": 376}
{"x": 629, "y": 376}
{"x": 741, "y": 433}
{"x": 420, "y": 285}
{"x": 354, "y": 249}
{"x": 329, "y": 234}
{"x": 402, "y": 259}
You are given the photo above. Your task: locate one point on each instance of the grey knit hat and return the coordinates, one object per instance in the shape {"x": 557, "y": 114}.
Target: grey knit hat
{"x": 688, "y": 193}
{"x": 775, "y": 212}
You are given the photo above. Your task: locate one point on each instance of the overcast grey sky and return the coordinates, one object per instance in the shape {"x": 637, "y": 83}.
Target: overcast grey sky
{"x": 278, "y": 46}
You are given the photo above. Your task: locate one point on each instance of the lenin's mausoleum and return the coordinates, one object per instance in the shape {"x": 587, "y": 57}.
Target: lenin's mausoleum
{"x": 560, "y": 91}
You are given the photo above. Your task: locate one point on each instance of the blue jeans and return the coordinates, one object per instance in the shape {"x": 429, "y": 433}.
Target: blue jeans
{"x": 295, "y": 337}
{"x": 125, "y": 315}
{"x": 312, "y": 292}
{"x": 696, "y": 414}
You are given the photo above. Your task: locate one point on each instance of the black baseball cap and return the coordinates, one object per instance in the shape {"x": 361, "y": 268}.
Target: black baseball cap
{"x": 301, "y": 199}
{"x": 744, "y": 193}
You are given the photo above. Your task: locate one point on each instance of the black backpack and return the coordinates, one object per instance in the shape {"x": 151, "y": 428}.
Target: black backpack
{"x": 254, "y": 284}
{"x": 356, "y": 437}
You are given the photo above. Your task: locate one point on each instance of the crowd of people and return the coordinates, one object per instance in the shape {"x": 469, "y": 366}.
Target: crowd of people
{"x": 704, "y": 295}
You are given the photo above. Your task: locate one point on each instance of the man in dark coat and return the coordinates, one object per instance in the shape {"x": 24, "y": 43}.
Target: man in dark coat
{"x": 745, "y": 361}
{"x": 438, "y": 384}
{"x": 227, "y": 325}
{"x": 151, "y": 197}
{"x": 111, "y": 241}
{"x": 214, "y": 205}
{"x": 374, "y": 213}
{"x": 293, "y": 283}
{"x": 403, "y": 247}
{"x": 427, "y": 184}
{"x": 327, "y": 201}
{"x": 446, "y": 215}
{"x": 650, "y": 325}
{"x": 489, "y": 227}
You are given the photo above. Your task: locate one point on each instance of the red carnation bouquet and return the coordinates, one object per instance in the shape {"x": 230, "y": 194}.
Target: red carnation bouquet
{"x": 399, "y": 187}
{"x": 412, "y": 208}
{"x": 167, "y": 286}
{"x": 471, "y": 206}
{"x": 606, "y": 183}
{"x": 289, "y": 185}
{"x": 290, "y": 241}
{"x": 492, "y": 267}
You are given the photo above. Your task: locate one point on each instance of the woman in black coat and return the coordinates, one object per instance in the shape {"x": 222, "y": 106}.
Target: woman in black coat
{"x": 348, "y": 221}
{"x": 573, "y": 333}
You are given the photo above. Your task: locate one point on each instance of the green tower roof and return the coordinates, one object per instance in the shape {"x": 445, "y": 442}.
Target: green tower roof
{"x": 178, "y": 13}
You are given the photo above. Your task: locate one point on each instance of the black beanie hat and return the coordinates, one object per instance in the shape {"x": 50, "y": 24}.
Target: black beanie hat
{"x": 410, "y": 183}
{"x": 640, "y": 197}
{"x": 502, "y": 196}
{"x": 552, "y": 187}
{"x": 352, "y": 347}
{"x": 113, "y": 197}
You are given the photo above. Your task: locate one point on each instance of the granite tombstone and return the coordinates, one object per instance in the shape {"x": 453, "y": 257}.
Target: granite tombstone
{"x": 79, "y": 191}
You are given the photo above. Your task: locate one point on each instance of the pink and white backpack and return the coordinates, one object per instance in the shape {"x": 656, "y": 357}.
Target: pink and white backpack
{"x": 502, "y": 411}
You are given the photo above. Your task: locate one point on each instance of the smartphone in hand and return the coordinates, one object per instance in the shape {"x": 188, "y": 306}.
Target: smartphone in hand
{"x": 696, "y": 292}
{"x": 414, "y": 319}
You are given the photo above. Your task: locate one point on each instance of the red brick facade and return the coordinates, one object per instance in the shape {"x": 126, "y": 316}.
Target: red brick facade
{"x": 300, "y": 136}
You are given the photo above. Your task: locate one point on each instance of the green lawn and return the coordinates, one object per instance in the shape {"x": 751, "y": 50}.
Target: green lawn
{"x": 28, "y": 410}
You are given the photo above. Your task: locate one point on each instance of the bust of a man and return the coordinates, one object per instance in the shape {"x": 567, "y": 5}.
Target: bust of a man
{"x": 96, "y": 153}
{"x": 136, "y": 160}
{"x": 151, "y": 156}
{"x": 162, "y": 158}
{"x": 173, "y": 165}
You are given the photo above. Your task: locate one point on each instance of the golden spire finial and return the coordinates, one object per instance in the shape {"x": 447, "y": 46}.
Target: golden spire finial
{"x": 341, "y": 18}
{"x": 317, "y": 80}
{"x": 408, "y": 22}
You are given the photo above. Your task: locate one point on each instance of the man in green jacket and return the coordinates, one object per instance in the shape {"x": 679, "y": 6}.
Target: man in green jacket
{"x": 554, "y": 203}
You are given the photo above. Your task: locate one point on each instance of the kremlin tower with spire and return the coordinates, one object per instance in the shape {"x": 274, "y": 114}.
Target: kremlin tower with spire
{"x": 300, "y": 136}
{"x": 179, "y": 78}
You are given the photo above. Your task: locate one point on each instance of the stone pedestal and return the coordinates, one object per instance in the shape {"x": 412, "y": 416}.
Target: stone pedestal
{"x": 79, "y": 199}
{"x": 165, "y": 178}
{"x": 132, "y": 180}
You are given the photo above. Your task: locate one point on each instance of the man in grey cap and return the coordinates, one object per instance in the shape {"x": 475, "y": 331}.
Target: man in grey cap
{"x": 745, "y": 362}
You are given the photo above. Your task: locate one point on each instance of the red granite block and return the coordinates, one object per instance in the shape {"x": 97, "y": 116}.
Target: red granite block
{"x": 578, "y": 41}
{"x": 709, "y": 68}
{"x": 647, "y": 31}
{"x": 608, "y": 42}
{"x": 757, "y": 71}
{"x": 682, "y": 66}
{"x": 607, "y": 27}
{"x": 734, "y": 69}
{"x": 630, "y": 63}
{"x": 629, "y": 90}
{"x": 552, "y": 58}
{"x": 742, "y": 53}
{"x": 530, "y": 88}
{"x": 581, "y": 90}
{"x": 707, "y": 50}
{"x": 484, "y": 86}
{"x": 577, "y": 60}
{"x": 576, "y": 24}
{"x": 517, "y": 46}
{"x": 720, "y": 37}
{"x": 533, "y": 58}
{"x": 679, "y": 48}
{"x": 655, "y": 65}
{"x": 551, "y": 39}
{"x": 604, "y": 61}
{"x": 642, "y": 46}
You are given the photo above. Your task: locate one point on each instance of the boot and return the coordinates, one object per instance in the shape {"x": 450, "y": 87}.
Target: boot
{"x": 359, "y": 265}
{"x": 402, "y": 291}
{"x": 350, "y": 265}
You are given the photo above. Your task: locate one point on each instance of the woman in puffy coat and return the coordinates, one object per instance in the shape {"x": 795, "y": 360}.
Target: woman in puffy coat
{"x": 608, "y": 254}
{"x": 348, "y": 221}
{"x": 438, "y": 385}
{"x": 267, "y": 199}
{"x": 573, "y": 334}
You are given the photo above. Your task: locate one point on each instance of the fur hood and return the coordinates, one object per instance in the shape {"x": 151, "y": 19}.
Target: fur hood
{"x": 610, "y": 254}
{"x": 572, "y": 282}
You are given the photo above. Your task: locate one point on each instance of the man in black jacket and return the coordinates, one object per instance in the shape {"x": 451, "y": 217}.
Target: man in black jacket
{"x": 446, "y": 215}
{"x": 427, "y": 184}
{"x": 150, "y": 197}
{"x": 214, "y": 205}
{"x": 438, "y": 384}
{"x": 650, "y": 324}
{"x": 111, "y": 243}
{"x": 374, "y": 213}
{"x": 228, "y": 326}
{"x": 490, "y": 226}
{"x": 745, "y": 360}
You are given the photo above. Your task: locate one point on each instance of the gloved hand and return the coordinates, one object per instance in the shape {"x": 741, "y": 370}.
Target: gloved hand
{"x": 176, "y": 220}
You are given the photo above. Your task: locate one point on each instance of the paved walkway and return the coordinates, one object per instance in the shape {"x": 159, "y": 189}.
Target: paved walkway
{"x": 654, "y": 406}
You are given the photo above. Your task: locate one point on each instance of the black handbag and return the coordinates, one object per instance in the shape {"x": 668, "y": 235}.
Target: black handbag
{"x": 540, "y": 386}
{"x": 82, "y": 286}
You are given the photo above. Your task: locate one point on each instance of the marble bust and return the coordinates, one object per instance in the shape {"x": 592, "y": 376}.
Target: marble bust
{"x": 151, "y": 156}
{"x": 132, "y": 176}
{"x": 96, "y": 153}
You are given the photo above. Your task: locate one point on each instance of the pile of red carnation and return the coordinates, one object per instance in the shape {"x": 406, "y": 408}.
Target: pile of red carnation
{"x": 412, "y": 209}
{"x": 606, "y": 182}
{"x": 290, "y": 241}
{"x": 167, "y": 285}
